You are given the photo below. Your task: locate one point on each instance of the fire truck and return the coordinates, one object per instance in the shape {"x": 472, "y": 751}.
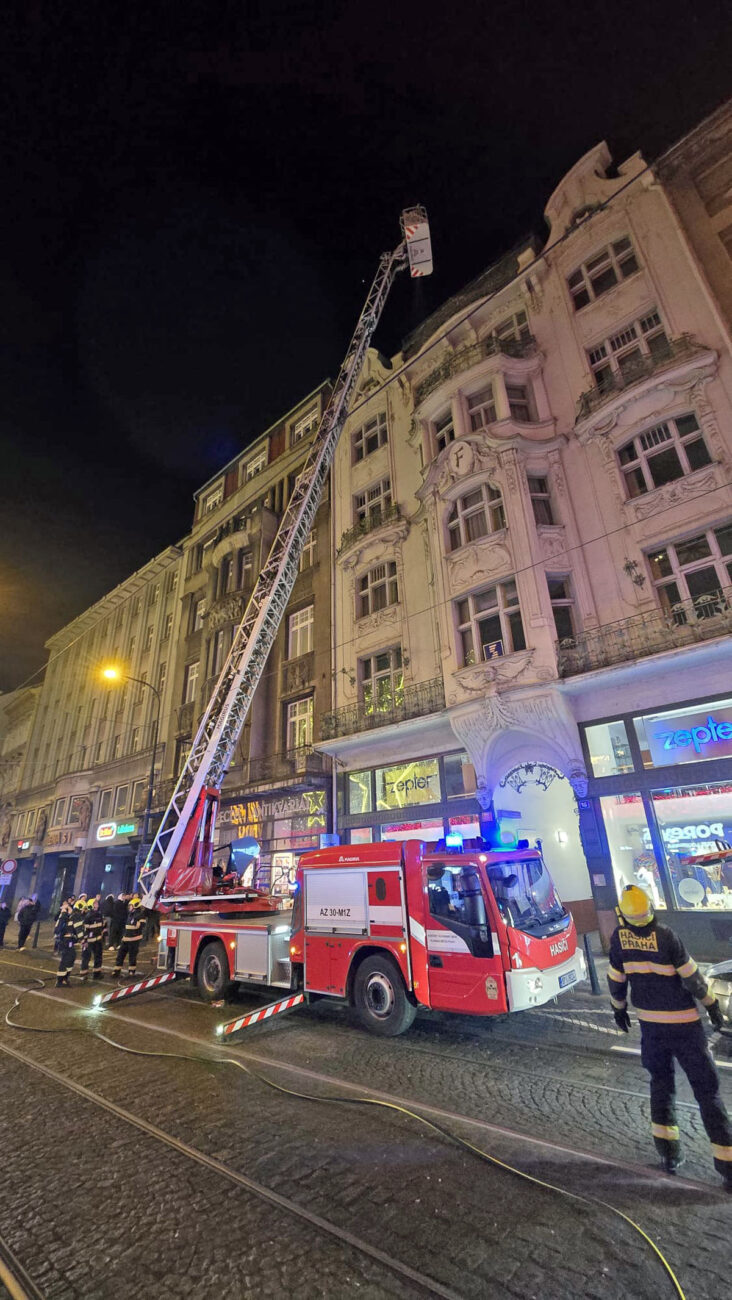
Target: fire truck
{"x": 390, "y": 928}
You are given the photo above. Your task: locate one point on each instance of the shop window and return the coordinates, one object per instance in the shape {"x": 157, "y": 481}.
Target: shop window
{"x": 489, "y": 623}
{"x": 482, "y": 409}
{"x": 377, "y": 589}
{"x": 696, "y": 829}
{"x": 407, "y": 784}
{"x": 602, "y": 272}
{"x": 443, "y": 432}
{"x": 458, "y": 781}
{"x": 359, "y": 792}
{"x": 368, "y": 439}
{"x": 609, "y": 750}
{"x": 696, "y": 570}
{"x": 381, "y": 681}
{"x": 540, "y": 499}
{"x": 476, "y": 515}
{"x": 631, "y": 849}
{"x": 659, "y": 455}
{"x": 468, "y": 827}
{"x": 361, "y": 835}
{"x": 429, "y": 830}
{"x": 685, "y": 735}
{"x": 620, "y": 357}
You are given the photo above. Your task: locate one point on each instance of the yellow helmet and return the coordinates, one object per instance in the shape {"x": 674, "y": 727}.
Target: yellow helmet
{"x": 135, "y": 901}
{"x": 636, "y": 906}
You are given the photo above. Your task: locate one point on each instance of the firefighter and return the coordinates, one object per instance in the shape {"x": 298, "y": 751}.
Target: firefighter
{"x": 664, "y": 981}
{"x": 94, "y": 929}
{"x": 65, "y": 943}
{"x": 130, "y": 944}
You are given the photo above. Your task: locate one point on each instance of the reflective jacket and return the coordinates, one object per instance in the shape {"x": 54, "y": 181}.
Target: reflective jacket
{"x": 134, "y": 925}
{"x": 664, "y": 980}
{"x": 94, "y": 926}
{"x": 64, "y": 930}
{"x": 78, "y": 922}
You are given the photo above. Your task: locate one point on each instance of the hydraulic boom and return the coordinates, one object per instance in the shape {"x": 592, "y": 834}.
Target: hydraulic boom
{"x": 186, "y": 830}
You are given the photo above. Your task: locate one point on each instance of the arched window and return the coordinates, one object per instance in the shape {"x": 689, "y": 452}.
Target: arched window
{"x": 476, "y": 515}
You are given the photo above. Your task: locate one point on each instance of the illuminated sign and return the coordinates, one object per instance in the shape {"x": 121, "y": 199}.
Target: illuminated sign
{"x": 687, "y": 736}
{"x": 126, "y": 828}
{"x": 408, "y": 784}
{"x": 23, "y": 844}
{"x": 106, "y": 831}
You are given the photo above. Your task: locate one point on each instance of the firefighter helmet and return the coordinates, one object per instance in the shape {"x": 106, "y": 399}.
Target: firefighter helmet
{"x": 635, "y": 906}
{"x": 135, "y": 901}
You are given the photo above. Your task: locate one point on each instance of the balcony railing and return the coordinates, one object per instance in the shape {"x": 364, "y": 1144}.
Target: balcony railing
{"x": 418, "y": 701}
{"x": 470, "y": 356}
{"x": 291, "y": 767}
{"x": 676, "y": 350}
{"x": 368, "y": 525}
{"x": 684, "y": 624}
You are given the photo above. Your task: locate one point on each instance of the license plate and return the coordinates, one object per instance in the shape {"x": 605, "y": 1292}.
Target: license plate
{"x": 569, "y": 978}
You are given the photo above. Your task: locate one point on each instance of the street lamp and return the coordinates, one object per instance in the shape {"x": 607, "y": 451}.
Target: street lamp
{"x": 112, "y": 674}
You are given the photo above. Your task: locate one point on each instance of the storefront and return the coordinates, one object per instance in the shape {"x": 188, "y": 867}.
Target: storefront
{"x": 424, "y": 798}
{"x": 109, "y": 863}
{"x": 658, "y": 813}
{"x": 283, "y": 825}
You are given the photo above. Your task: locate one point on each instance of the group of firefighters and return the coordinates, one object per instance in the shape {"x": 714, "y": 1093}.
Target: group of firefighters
{"x": 81, "y": 925}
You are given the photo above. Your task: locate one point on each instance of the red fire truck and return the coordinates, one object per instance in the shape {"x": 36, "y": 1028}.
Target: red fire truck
{"x": 389, "y": 928}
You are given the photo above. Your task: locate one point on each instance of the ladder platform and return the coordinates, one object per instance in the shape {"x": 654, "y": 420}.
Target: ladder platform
{"x": 264, "y": 1013}
{"x": 140, "y": 986}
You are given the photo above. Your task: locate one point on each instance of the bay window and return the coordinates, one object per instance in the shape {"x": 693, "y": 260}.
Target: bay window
{"x": 663, "y": 453}
{"x": 476, "y": 515}
{"x": 489, "y": 623}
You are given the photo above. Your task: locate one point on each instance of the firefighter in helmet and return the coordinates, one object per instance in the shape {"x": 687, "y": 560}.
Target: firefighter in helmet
{"x": 664, "y": 983}
{"x": 94, "y": 940}
{"x": 65, "y": 943}
{"x": 131, "y": 938}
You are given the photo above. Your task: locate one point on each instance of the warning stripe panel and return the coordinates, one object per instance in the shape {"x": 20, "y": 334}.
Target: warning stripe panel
{"x": 141, "y": 986}
{"x": 264, "y": 1013}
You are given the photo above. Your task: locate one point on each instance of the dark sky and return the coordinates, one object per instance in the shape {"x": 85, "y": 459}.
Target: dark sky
{"x": 194, "y": 195}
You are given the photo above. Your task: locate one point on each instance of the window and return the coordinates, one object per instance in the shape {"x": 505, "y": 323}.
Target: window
{"x": 309, "y": 552}
{"x": 456, "y": 902}
{"x": 371, "y": 436}
{"x": 304, "y": 426}
{"x": 131, "y": 648}
{"x": 155, "y": 594}
{"x": 218, "y": 651}
{"x": 515, "y": 327}
{"x": 121, "y": 800}
{"x": 167, "y": 626}
{"x": 377, "y": 589}
{"x": 255, "y": 465}
{"x": 540, "y": 499}
{"x": 212, "y": 499}
{"x": 476, "y": 515}
{"x": 134, "y": 740}
{"x": 105, "y": 805}
{"x": 381, "y": 681}
{"x": 190, "y": 680}
{"x": 299, "y": 723}
{"x": 608, "y": 747}
{"x": 482, "y": 409}
{"x": 226, "y": 572}
{"x": 139, "y": 797}
{"x": 149, "y": 633}
{"x": 519, "y": 403}
{"x": 300, "y": 632}
{"x": 134, "y": 611}
{"x": 696, "y": 569}
{"x": 560, "y": 596}
{"x": 139, "y": 689}
{"x": 659, "y": 455}
{"x": 686, "y": 735}
{"x": 359, "y": 792}
{"x": 694, "y": 825}
{"x": 171, "y": 582}
{"x": 489, "y": 623}
{"x": 162, "y": 674}
{"x": 621, "y": 356}
{"x": 98, "y": 752}
{"x": 373, "y": 504}
{"x": 197, "y": 609}
{"x": 602, "y": 272}
{"x": 444, "y": 430}
{"x": 244, "y": 568}
{"x": 458, "y": 784}
{"x": 116, "y": 747}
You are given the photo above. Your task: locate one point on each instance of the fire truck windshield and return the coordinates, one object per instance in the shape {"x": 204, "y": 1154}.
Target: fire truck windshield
{"x": 525, "y": 894}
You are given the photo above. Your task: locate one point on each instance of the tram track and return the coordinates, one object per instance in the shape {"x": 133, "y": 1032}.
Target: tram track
{"x": 15, "y": 1279}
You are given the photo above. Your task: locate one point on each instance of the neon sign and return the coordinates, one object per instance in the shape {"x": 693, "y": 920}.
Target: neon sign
{"x": 106, "y": 831}
{"x": 709, "y": 734}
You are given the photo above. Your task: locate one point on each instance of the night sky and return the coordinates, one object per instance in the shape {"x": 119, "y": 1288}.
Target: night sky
{"x": 193, "y": 198}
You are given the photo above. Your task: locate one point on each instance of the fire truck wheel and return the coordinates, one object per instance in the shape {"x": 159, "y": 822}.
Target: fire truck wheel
{"x": 380, "y": 997}
{"x": 212, "y": 972}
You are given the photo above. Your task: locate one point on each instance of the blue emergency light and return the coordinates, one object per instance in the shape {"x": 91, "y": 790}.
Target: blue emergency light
{"x": 454, "y": 841}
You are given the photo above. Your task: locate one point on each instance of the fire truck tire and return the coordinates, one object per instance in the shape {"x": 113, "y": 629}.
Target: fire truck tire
{"x": 212, "y": 972}
{"x": 380, "y": 997}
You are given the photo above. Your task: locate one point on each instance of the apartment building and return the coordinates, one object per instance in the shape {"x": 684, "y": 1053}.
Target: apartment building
{"x": 533, "y": 523}
{"x": 16, "y": 720}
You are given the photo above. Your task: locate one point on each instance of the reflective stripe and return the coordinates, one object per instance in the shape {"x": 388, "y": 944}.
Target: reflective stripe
{"x": 721, "y": 1153}
{"x": 709, "y": 999}
{"x": 647, "y": 968}
{"x": 688, "y": 968}
{"x": 619, "y": 1006}
{"x": 668, "y": 1017}
{"x": 614, "y": 974}
{"x": 417, "y": 931}
{"x": 668, "y": 1131}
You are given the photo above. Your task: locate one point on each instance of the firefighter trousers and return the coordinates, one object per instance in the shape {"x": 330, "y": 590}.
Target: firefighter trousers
{"x": 67, "y": 957}
{"x": 661, "y": 1045}
{"x": 93, "y": 949}
{"x": 128, "y": 948}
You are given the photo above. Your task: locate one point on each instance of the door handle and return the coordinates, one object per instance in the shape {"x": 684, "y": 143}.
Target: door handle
{"x": 435, "y": 960}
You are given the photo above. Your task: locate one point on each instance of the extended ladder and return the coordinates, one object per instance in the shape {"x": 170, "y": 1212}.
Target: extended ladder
{"x": 213, "y": 745}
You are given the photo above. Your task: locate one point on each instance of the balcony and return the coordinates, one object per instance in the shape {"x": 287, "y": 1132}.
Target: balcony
{"x": 418, "y": 701}
{"x": 293, "y": 769}
{"x": 368, "y": 525}
{"x": 468, "y": 357}
{"x": 687, "y": 623}
{"x": 228, "y": 608}
{"x": 684, "y": 348}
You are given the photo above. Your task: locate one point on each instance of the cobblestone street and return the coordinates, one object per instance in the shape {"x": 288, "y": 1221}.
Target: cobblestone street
{"x": 168, "y": 1198}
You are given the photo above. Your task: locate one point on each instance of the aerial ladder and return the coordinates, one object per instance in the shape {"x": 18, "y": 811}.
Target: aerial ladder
{"x": 179, "y": 859}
